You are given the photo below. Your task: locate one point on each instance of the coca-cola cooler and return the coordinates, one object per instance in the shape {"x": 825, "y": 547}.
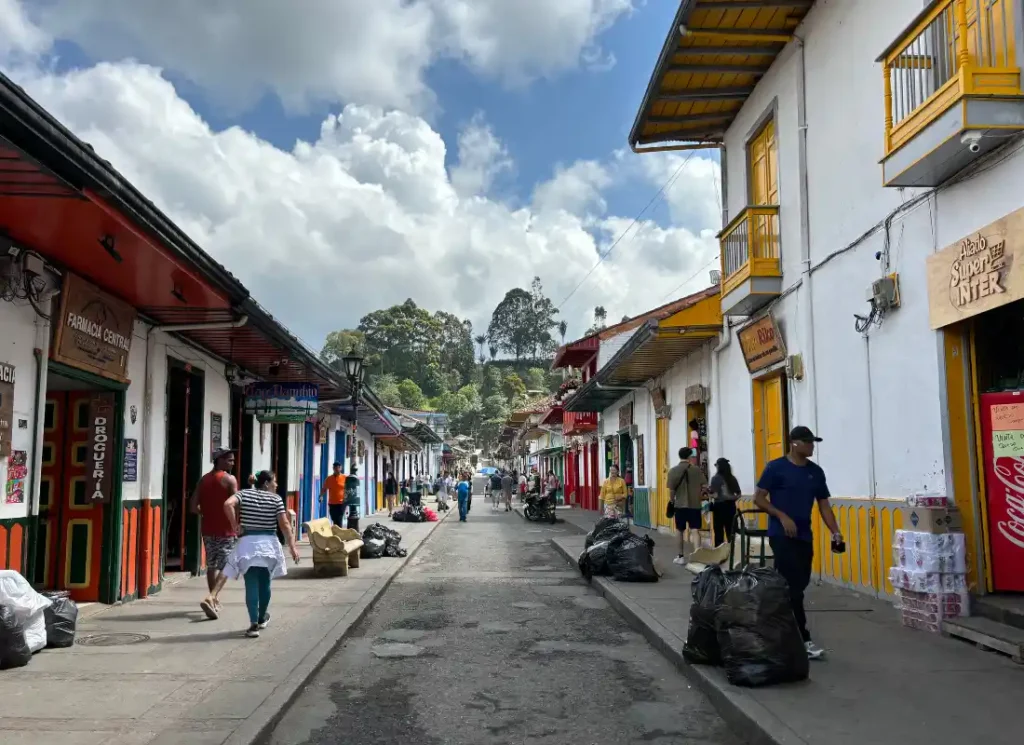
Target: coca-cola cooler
{"x": 1002, "y": 430}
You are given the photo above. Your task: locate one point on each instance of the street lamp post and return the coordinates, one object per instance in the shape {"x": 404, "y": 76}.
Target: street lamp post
{"x": 354, "y": 372}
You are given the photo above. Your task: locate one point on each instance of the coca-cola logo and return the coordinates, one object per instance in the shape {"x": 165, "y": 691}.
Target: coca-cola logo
{"x": 1012, "y": 477}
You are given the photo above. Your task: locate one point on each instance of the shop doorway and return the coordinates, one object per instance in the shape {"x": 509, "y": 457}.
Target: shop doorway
{"x": 240, "y": 437}
{"x": 770, "y": 417}
{"x": 999, "y": 414}
{"x": 74, "y": 531}
{"x": 279, "y": 459}
{"x": 697, "y": 434}
{"x": 661, "y": 508}
{"x": 183, "y": 466}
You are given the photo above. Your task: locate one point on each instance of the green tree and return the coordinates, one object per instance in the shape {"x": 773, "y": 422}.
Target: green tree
{"x": 435, "y": 381}
{"x": 495, "y": 407}
{"x": 492, "y": 381}
{"x": 386, "y": 388}
{"x": 411, "y": 395}
{"x": 543, "y": 320}
{"x": 340, "y": 344}
{"x": 536, "y": 379}
{"x": 512, "y": 328}
{"x": 480, "y": 340}
{"x": 513, "y": 386}
{"x": 404, "y": 339}
{"x": 456, "y": 346}
{"x": 563, "y": 327}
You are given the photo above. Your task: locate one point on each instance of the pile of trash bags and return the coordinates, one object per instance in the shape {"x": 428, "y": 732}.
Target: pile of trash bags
{"x": 430, "y": 515}
{"x": 743, "y": 620}
{"x": 30, "y": 621}
{"x": 409, "y": 514}
{"x": 612, "y": 549}
{"x": 379, "y": 541}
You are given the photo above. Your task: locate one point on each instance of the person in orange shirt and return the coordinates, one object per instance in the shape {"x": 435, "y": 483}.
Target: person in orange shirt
{"x": 334, "y": 488}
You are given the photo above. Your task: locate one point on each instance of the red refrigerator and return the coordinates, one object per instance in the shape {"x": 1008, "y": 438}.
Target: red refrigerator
{"x": 1002, "y": 431}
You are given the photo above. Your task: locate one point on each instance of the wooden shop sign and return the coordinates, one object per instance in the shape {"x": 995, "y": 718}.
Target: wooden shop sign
{"x": 762, "y": 343}
{"x": 93, "y": 331}
{"x": 977, "y": 273}
{"x": 6, "y": 407}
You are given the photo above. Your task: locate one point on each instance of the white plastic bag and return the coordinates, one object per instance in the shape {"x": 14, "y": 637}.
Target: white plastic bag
{"x": 28, "y": 605}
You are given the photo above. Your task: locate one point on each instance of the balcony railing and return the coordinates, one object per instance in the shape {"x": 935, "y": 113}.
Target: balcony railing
{"x": 578, "y": 421}
{"x": 956, "y": 47}
{"x": 750, "y": 246}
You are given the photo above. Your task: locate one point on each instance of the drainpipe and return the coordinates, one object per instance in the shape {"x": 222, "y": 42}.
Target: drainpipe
{"x": 871, "y": 424}
{"x": 42, "y": 354}
{"x": 805, "y": 231}
{"x": 726, "y": 338}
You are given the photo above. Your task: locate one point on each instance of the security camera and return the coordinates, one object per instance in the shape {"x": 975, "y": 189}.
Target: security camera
{"x": 972, "y": 140}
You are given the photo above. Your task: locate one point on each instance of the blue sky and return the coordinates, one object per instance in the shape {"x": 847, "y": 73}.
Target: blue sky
{"x": 194, "y": 105}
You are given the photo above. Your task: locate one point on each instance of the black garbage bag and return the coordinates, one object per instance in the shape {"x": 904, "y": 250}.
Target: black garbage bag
{"x": 61, "y": 620}
{"x": 391, "y": 539}
{"x": 14, "y": 651}
{"x": 373, "y": 548}
{"x": 631, "y": 558}
{"x": 757, "y": 632}
{"x": 593, "y": 561}
{"x": 701, "y": 646}
{"x": 605, "y": 528}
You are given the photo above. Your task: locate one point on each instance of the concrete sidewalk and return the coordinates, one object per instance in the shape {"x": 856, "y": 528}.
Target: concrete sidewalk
{"x": 157, "y": 672}
{"x": 881, "y": 682}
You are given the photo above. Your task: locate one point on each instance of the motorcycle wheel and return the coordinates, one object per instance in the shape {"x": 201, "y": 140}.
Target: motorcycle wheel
{"x": 530, "y": 512}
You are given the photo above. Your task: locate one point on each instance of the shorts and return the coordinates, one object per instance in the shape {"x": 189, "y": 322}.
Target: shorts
{"x": 689, "y": 518}
{"x": 218, "y": 549}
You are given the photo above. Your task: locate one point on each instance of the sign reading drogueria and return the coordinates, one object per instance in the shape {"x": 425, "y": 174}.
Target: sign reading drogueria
{"x": 977, "y": 273}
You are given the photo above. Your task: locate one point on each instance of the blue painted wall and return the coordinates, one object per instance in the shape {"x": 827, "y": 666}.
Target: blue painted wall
{"x": 325, "y": 471}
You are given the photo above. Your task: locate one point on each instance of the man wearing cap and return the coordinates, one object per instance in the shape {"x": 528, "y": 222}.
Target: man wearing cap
{"x": 788, "y": 489}
{"x": 212, "y": 491}
{"x": 334, "y": 489}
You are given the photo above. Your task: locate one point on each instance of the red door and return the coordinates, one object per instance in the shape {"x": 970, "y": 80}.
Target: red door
{"x": 1002, "y": 430}
{"x": 71, "y": 523}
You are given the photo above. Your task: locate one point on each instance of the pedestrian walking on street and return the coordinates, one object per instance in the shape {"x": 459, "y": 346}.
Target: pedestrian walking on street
{"x": 211, "y": 493}
{"x": 506, "y": 490}
{"x": 687, "y": 485}
{"x": 257, "y": 513}
{"x": 725, "y": 490}
{"x": 464, "y": 489}
{"x": 334, "y": 489}
{"x": 613, "y": 494}
{"x": 788, "y": 489}
{"x": 391, "y": 492}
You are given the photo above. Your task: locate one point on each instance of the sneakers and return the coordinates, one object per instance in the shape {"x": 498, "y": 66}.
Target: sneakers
{"x": 253, "y": 632}
{"x": 265, "y": 622}
{"x": 680, "y": 560}
{"x": 814, "y": 652}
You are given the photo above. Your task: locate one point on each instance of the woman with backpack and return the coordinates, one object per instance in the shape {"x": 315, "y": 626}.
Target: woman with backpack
{"x": 725, "y": 490}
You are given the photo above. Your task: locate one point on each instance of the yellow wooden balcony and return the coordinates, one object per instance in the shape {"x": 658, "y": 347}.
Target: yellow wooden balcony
{"x": 751, "y": 274}
{"x": 952, "y": 90}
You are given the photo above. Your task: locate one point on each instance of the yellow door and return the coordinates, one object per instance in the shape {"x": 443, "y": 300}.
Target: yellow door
{"x": 661, "y": 502}
{"x": 764, "y": 189}
{"x": 769, "y": 421}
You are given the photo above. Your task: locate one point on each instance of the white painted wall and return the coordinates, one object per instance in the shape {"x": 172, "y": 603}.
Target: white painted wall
{"x": 17, "y": 342}
{"x": 899, "y": 426}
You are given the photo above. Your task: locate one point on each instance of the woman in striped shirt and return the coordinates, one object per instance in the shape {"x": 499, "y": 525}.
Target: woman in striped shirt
{"x": 256, "y": 514}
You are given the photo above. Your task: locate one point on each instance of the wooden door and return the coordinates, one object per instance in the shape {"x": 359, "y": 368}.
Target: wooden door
{"x": 764, "y": 189}
{"x": 78, "y": 557}
{"x": 50, "y": 491}
{"x": 769, "y": 421}
{"x": 661, "y": 503}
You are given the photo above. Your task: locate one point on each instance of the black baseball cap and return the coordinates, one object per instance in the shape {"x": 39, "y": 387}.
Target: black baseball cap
{"x": 221, "y": 453}
{"x": 802, "y": 434}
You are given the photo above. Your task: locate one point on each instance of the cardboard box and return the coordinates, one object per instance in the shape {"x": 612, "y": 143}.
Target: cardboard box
{"x": 935, "y": 520}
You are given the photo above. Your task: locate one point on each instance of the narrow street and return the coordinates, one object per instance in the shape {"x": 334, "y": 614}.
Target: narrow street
{"x": 487, "y": 636}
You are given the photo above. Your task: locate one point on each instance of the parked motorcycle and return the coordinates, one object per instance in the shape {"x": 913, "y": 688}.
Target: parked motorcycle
{"x": 538, "y": 507}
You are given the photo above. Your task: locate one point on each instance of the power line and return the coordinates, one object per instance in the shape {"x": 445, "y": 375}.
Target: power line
{"x": 603, "y": 256}
{"x": 691, "y": 277}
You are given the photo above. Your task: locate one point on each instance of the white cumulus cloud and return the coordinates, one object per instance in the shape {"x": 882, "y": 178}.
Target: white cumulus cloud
{"x": 364, "y": 51}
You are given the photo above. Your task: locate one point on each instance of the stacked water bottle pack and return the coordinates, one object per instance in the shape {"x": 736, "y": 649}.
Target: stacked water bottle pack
{"x": 929, "y": 573}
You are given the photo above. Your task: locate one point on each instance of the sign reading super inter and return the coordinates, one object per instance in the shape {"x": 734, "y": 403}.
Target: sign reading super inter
{"x": 281, "y": 402}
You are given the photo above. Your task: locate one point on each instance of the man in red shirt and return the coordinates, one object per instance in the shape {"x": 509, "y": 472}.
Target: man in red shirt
{"x": 212, "y": 491}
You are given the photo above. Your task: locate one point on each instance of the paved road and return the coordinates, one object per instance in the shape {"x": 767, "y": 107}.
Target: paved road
{"x": 487, "y": 637}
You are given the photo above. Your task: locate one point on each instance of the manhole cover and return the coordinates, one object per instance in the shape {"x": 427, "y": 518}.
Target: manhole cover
{"x": 111, "y": 640}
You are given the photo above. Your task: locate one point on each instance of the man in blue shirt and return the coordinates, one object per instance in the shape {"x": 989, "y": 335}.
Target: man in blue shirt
{"x": 463, "y": 490}
{"x": 788, "y": 489}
